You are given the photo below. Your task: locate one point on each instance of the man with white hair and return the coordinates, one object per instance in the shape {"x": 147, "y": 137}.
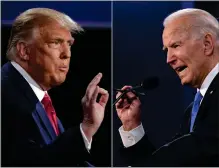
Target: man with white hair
{"x": 39, "y": 51}
{"x": 191, "y": 38}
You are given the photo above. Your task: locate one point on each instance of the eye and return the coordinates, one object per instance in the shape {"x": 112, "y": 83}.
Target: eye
{"x": 175, "y": 45}
{"x": 70, "y": 44}
{"x": 54, "y": 44}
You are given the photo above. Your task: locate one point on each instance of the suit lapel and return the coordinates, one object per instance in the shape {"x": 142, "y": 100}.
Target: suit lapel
{"x": 43, "y": 118}
{"x": 60, "y": 126}
{"x": 38, "y": 113}
{"x": 207, "y": 98}
{"x": 185, "y": 128}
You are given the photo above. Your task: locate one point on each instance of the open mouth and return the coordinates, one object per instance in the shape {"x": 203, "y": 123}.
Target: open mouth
{"x": 180, "y": 69}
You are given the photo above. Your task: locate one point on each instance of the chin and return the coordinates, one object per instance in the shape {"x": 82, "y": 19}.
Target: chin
{"x": 59, "y": 81}
{"x": 186, "y": 81}
{"x": 189, "y": 83}
{"x": 183, "y": 83}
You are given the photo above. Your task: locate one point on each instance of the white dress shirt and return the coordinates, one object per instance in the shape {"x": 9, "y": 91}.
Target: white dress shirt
{"x": 205, "y": 85}
{"x": 40, "y": 94}
{"x": 130, "y": 138}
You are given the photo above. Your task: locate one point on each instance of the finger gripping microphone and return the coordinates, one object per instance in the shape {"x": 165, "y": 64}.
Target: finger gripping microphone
{"x": 148, "y": 84}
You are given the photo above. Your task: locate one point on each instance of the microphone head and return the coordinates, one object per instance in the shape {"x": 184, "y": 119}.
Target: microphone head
{"x": 150, "y": 83}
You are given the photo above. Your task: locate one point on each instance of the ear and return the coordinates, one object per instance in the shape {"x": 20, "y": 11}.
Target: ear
{"x": 208, "y": 44}
{"x": 23, "y": 51}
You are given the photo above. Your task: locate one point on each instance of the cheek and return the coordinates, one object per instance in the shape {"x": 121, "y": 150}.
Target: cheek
{"x": 51, "y": 59}
{"x": 193, "y": 71}
{"x": 185, "y": 56}
{"x": 36, "y": 60}
{"x": 47, "y": 63}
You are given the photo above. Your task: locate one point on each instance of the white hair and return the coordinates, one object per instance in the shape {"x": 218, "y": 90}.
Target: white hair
{"x": 25, "y": 24}
{"x": 201, "y": 21}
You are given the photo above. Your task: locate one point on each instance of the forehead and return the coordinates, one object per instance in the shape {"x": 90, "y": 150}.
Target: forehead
{"x": 174, "y": 32}
{"x": 54, "y": 29}
{"x": 177, "y": 27}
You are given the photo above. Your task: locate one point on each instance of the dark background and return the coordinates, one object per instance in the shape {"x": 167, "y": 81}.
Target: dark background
{"x": 138, "y": 54}
{"x": 91, "y": 54}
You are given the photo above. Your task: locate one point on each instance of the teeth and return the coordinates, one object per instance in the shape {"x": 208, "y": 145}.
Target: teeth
{"x": 183, "y": 70}
{"x": 180, "y": 69}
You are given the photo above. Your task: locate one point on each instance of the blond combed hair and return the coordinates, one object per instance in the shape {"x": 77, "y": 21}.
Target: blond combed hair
{"x": 25, "y": 24}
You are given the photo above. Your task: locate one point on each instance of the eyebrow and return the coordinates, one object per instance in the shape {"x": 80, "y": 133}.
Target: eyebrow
{"x": 171, "y": 44}
{"x": 61, "y": 39}
{"x": 171, "y": 34}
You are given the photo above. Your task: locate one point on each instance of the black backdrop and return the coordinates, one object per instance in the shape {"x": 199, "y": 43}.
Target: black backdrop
{"x": 210, "y": 6}
{"x": 91, "y": 54}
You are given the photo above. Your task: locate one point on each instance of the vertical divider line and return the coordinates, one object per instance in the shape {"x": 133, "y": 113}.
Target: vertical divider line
{"x": 111, "y": 83}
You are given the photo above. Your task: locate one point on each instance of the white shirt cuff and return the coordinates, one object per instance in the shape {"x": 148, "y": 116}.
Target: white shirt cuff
{"x": 86, "y": 142}
{"x": 130, "y": 138}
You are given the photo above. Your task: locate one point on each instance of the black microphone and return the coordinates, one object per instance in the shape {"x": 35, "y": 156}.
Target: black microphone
{"x": 148, "y": 84}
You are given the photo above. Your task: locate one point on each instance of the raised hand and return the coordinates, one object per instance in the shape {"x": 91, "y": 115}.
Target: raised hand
{"x": 93, "y": 110}
{"x": 128, "y": 110}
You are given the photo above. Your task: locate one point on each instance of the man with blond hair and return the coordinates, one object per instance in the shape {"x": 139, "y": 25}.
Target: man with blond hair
{"x": 39, "y": 51}
{"x": 191, "y": 38}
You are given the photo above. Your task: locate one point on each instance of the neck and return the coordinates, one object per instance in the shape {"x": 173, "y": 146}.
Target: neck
{"x": 208, "y": 69}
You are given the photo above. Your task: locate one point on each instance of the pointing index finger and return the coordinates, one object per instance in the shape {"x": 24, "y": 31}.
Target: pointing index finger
{"x": 95, "y": 80}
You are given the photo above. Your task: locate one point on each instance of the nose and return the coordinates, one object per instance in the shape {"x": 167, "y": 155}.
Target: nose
{"x": 171, "y": 58}
{"x": 66, "y": 51}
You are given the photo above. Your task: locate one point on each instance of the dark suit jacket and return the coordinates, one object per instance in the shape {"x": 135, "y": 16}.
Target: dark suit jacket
{"x": 28, "y": 138}
{"x": 197, "y": 148}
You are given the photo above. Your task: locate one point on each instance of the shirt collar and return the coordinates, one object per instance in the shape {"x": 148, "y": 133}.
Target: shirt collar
{"x": 209, "y": 79}
{"x": 35, "y": 87}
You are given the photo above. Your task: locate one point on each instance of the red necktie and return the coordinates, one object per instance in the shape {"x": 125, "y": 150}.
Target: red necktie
{"x": 50, "y": 112}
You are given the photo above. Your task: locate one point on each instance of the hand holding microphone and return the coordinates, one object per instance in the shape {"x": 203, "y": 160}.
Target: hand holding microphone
{"x": 128, "y": 108}
{"x": 128, "y": 103}
{"x": 148, "y": 84}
